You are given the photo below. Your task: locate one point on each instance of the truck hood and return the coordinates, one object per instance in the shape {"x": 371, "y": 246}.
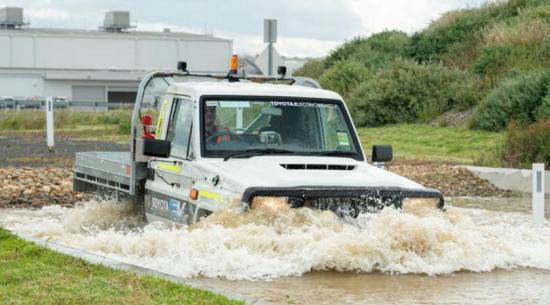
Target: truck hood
{"x": 270, "y": 171}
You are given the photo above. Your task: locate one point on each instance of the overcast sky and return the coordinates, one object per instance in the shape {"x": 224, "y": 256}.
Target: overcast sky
{"x": 306, "y": 27}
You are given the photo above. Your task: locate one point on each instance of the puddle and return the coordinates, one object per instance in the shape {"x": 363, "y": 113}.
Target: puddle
{"x": 478, "y": 251}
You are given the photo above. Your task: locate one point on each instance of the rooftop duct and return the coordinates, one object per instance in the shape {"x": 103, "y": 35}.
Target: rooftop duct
{"x": 11, "y": 17}
{"x": 116, "y": 21}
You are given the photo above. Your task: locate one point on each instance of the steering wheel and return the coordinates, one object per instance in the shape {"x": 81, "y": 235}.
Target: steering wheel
{"x": 212, "y": 138}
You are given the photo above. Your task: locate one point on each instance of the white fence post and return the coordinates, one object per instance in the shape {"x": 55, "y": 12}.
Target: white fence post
{"x": 538, "y": 193}
{"x": 49, "y": 123}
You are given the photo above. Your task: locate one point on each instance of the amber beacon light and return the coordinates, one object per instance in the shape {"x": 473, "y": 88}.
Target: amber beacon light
{"x": 233, "y": 64}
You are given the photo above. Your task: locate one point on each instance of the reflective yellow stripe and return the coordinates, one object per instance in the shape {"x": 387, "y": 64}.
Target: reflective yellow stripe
{"x": 160, "y": 122}
{"x": 170, "y": 167}
{"x": 210, "y": 195}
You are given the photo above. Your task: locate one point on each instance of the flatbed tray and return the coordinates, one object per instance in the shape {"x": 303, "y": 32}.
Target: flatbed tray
{"x": 109, "y": 169}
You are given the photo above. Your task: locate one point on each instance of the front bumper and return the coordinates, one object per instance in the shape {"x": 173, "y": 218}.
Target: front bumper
{"x": 344, "y": 201}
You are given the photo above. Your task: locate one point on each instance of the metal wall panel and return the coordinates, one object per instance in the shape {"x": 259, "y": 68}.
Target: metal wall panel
{"x": 23, "y": 56}
{"x": 157, "y": 54}
{"x": 88, "y": 93}
{"x": 5, "y": 51}
{"x": 21, "y": 86}
{"x": 85, "y": 53}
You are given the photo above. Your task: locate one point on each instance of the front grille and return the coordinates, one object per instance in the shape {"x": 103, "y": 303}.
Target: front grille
{"x": 346, "y": 207}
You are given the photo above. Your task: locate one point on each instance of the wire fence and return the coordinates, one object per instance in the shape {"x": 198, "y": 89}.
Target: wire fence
{"x": 15, "y": 105}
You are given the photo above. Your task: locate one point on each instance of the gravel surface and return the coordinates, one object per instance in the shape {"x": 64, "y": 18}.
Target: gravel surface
{"x": 38, "y": 186}
{"x": 451, "y": 180}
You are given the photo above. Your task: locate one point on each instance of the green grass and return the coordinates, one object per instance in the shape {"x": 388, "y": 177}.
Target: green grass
{"x": 63, "y": 118}
{"x": 99, "y": 125}
{"x": 425, "y": 142}
{"x": 30, "y": 274}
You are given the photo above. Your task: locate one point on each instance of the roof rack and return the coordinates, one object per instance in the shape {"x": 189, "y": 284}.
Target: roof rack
{"x": 234, "y": 76}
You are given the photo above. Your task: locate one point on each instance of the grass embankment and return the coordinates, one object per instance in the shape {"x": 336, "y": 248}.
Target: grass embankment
{"x": 425, "y": 142}
{"x": 30, "y": 274}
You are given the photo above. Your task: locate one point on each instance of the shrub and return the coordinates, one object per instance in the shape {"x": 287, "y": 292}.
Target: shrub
{"x": 344, "y": 77}
{"x": 407, "y": 92}
{"x": 463, "y": 26}
{"x": 462, "y": 54}
{"x": 492, "y": 62}
{"x": 525, "y": 145}
{"x": 543, "y": 112}
{"x": 373, "y": 52}
{"x": 537, "y": 12}
{"x": 511, "y": 8}
{"x": 517, "y": 43}
{"x": 523, "y": 31}
{"x": 344, "y": 51}
{"x": 518, "y": 98}
{"x": 313, "y": 68}
{"x": 381, "y": 49}
{"x": 431, "y": 43}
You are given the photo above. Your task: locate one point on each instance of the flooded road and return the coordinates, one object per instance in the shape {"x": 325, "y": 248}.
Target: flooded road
{"x": 481, "y": 251}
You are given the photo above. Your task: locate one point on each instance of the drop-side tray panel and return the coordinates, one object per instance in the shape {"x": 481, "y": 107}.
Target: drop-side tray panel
{"x": 110, "y": 169}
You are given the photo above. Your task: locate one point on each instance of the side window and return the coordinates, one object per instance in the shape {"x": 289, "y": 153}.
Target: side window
{"x": 336, "y": 134}
{"x": 179, "y": 128}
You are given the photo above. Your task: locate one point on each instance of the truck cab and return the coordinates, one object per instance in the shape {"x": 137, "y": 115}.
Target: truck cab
{"x": 233, "y": 142}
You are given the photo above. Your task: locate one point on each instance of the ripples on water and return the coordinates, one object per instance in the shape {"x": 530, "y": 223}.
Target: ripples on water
{"x": 268, "y": 242}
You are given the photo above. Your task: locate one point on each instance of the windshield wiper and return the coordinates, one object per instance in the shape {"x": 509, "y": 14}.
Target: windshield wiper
{"x": 334, "y": 153}
{"x": 257, "y": 152}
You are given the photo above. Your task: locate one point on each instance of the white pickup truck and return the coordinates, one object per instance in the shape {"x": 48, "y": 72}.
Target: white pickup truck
{"x": 230, "y": 139}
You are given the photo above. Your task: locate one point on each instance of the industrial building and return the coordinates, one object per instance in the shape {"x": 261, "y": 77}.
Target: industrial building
{"x": 104, "y": 64}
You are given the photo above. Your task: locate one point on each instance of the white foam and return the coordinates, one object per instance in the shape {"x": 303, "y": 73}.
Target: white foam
{"x": 267, "y": 244}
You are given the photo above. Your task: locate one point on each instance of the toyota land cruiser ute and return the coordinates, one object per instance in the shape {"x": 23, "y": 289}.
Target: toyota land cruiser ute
{"x": 231, "y": 139}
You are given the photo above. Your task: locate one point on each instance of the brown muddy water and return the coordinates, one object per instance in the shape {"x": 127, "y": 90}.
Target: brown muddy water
{"x": 480, "y": 251}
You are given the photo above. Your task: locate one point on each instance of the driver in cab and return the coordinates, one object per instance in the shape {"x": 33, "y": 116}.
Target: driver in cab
{"x": 214, "y": 134}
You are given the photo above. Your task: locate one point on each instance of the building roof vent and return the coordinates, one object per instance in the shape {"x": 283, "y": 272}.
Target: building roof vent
{"x": 116, "y": 21}
{"x": 11, "y": 17}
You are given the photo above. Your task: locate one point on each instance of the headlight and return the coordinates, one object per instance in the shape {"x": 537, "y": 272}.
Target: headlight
{"x": 415, "y": 205}
{"x": 273, "y": 203}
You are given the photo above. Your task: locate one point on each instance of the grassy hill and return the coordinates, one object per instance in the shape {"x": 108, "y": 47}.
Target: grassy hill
{"x": 491, "y": 63}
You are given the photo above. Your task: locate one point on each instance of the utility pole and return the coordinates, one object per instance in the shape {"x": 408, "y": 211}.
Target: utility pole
{"x": 270, "y": 37}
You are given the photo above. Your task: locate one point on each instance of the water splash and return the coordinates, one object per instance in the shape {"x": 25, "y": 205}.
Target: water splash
{"x": 269, "y": 242}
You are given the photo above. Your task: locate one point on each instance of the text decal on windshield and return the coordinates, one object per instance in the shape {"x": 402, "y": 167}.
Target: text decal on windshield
{"x": 302, "y": 104}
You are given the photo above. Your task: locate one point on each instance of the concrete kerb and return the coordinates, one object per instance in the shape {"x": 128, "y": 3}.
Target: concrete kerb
{"x": 115, "y": 264}
{"x": 513, "y": 179}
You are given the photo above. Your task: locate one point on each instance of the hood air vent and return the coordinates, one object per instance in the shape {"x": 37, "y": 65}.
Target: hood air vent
{"x": 334, "y": 167}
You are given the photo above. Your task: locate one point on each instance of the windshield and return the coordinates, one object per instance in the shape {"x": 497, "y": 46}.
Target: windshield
{"x": 302, "y": 127}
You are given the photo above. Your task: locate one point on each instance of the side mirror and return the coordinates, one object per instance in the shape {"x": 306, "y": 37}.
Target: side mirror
{"x": 382, "y": 153}
{"x": 156, "y": 148}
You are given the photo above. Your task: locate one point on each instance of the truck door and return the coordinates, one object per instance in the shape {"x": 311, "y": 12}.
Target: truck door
{"x": 167, "y": 194}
